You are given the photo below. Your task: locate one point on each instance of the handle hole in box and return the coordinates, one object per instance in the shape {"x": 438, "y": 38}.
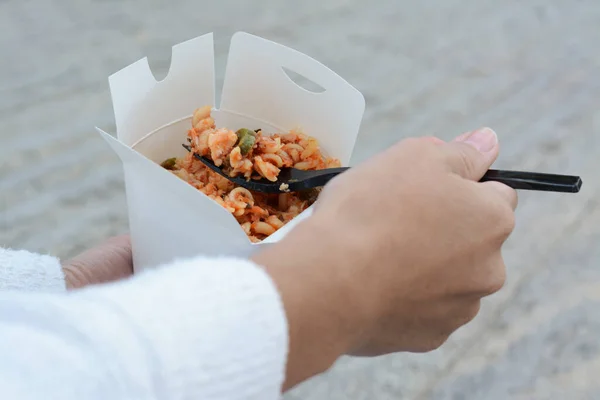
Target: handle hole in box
{"x": 159, "y": 62}
{"x": 303, "y": 82}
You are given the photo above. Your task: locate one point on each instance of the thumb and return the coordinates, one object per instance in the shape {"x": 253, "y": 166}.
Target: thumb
{"x": 471, "y": 154}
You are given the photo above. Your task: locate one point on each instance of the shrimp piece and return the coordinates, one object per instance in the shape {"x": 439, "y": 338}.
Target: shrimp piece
{"x": 222, "y": 183}
{"x": 265, "y": 169}
{"x": 311, "y": 148}
{"x": 202, "y": 143}
{"x": 297, "y": 134}
{"x": 294, "y": 209}
{"x": 242, "y": 197}
{"x": 199, "y": 140}
{"x": 240, "y": 200}
{"x": 294, "y": 150}
{"x": 262, "y": 228}
{"x": 202, "y": 126}
{"x": 274, "y": 221}
{"x": 289, "y": 137}
{"x": 269, "y": 145}
{"x": 313, "y": 162}
{"x": 221, "y": 142}
{"x": 181, "y": 174}
{"x": 219, "y": 200}
{"x": 200, "y": 114}
{"x": 195, "y": 182}
{"x": 205, "y": 124}
{"x": 295, "y": 155}
{"x": 238, "y": 211}
{"x": 288, "y": 161}
{"x": 333, "y": 163}
{"x": 235, "y": 157}
{"x": 211, "y": 189}
{"x": 273, "y": 159}
{"x": 293, "y": 146}
{"x": 306, "y": 165}
{"x": 321, "y": 164}
{"x": 254, "y": 239}
{"x": 192, "y": 165}
{"x": 246, "y": 227}
{"x": 303, "y": 139}
{"x": 246, "y": 168}
{"x": 255, "y": 213}
{"x": 185, "y": 162}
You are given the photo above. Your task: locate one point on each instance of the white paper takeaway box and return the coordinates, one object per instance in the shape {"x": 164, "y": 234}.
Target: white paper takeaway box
{"x": 170, "y": 219}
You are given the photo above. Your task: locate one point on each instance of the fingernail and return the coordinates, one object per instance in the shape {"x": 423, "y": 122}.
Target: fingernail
{"x": 483, "y": 139}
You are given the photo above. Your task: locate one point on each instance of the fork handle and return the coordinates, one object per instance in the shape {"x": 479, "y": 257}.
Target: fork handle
{"x": 515, "y": 179}
{"x": 534, "y": 181}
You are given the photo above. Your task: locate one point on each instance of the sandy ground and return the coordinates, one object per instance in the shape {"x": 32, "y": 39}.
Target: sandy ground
{"x": 529, "y": 69}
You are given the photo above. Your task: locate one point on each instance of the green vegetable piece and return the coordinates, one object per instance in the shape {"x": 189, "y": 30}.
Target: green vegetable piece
{"x": 246, "y": 144}
{"x": 243, "y": 131}
{"x": 246, "y": 140}
{"x": 169, "y": 163}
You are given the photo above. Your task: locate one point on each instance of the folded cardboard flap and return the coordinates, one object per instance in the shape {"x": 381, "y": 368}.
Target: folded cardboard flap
{"x": 142, "y": 105}
{"x": 169, "y": 218}
{"x": 256, "y": 85}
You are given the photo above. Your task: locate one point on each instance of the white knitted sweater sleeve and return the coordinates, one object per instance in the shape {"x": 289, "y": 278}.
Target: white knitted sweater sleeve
{"x": 24, "y": 271}
{"x": 196, "y": 329}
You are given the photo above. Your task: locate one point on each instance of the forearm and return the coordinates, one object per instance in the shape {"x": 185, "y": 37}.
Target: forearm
{"x": 202, "y": 329}
{"x": 316, "y": 301}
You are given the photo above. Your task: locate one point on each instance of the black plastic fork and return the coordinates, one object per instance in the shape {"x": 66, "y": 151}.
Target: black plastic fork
{"x": 295, "y": 180}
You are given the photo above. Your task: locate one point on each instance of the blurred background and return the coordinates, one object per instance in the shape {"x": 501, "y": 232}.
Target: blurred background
{"x": 529, "y": 69}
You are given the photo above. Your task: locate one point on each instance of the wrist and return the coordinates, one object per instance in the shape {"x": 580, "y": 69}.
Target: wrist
{"x": 323, "y": 324}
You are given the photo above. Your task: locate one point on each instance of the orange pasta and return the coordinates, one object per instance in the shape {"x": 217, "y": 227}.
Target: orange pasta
{"x": 254, "y": 156}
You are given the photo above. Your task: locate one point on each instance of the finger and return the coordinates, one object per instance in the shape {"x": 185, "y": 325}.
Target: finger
{"x": 495, "y": 276}
{"x": 469, "y": 308}
{"x": 471, "y": 154}
{"x": 505, "y": 192}
{"x": 488, "y": 278}
{"x": 110, "y": 261}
